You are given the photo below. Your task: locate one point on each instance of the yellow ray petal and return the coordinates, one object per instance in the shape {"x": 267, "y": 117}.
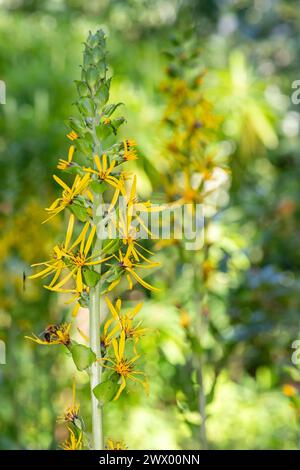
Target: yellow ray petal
{"x": 56, "y": 276}
{"x": 61, "y": 183}
{"x": 104, "y": 162}
{"x": 98, "y": 163}
{"x": 129, "y": 280}
{"x": 84, "y": 336}
{"x": 136, "y": 310}
{"x": 75, "y": 310}
{"x": 80, "y": 236}
{"x": 142, "y": 282}
{"x": 90, "y": 240}
{"x": 122, "y": 345}
{"x": 63, "y": 281}
{"x": 79, "y": 283}
{"x": 113, "y": 285}
{"x": 71, "y": 153}
{"x": 112, "y": 309}
{"x": 69, "y": 230}
{"x": 41, "y": 273}
{"x": 122, "y": 386}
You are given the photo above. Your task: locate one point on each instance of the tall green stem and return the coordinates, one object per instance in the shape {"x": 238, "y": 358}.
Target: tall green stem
{"x": 199, "y": 298}
{"x": 95, "y": 344}
{"x": 95, "y": 321}
{"x": 202, "y": 407}
{"x": 199, "y": 364}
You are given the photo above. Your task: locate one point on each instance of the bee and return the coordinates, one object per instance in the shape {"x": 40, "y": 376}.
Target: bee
{"x": 49, "y": 332}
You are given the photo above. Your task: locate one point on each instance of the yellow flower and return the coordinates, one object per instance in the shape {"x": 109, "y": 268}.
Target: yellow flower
{"x": 72, "y": 135}
{"x": 64, "y": 164}
{"x": 68, "y": 195}
{"x": 132, "y": 198}
{"x": 74, "y": 442}
{"x": 54, "y": 334}
{"x": 289, "y": 390}
{"x": 185, "y": 319}
{"x": 108, "y": 334}
{"x": 129, "y": 267}
{"x": 129, "y": 150}
{"x": 115, "y": 445}
{"x": 129, "y": 212}
{"x": 103, "y": 171}
{"x": 71, "y": 414}
{"x": 126, "y": 321}
{"x": 56, "y": 264}
{"x": 124, "y": 367}
{"x": 77, "y": 260}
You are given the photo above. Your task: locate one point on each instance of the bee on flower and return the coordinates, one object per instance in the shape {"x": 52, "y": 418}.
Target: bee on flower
{"x": 54, "y": 334}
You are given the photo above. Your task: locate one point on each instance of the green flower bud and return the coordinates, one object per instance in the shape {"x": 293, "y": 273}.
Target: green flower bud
{"x": 86, "y": 106}
{"x": 102, "y": 94}
{"x": 92, "y": 76}
{"x": 98, "y": 54}
{"x": 82, "y": 88}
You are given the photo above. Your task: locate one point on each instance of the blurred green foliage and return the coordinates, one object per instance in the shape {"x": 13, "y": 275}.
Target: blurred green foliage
{"x": 251, "y": 52}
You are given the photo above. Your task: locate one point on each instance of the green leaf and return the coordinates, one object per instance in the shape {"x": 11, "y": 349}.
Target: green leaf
{"x": 107, "y": 390}
{"x": 116, "y": 123}
{"x": 84, "y": 146}
{"x": 85, "y": 106}
{"x": 98, "y": 187}
{"x": 84, "y": 299}
{"x": 104, "y": 131}
{"x": 110, "y": 246}
{"x": 102, "y": 94}
{"x": 79, "y": 211}
{"x": 83, "y": 356}
{"x": 91, "y": 278}
{"x": 76, "y": 124}
{"x": 110, "y": 108}
{"x": 113, "y": 276}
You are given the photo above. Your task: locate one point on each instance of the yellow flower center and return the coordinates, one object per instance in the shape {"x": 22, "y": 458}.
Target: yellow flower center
{"x": 79, "y": 260}
{"x": 190, "y": 195}
{"x": 126, "y": 263}
{"x": 67, "y": 197}
{"x": 71, "y": 413}
{"x": 123, "y": 368}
